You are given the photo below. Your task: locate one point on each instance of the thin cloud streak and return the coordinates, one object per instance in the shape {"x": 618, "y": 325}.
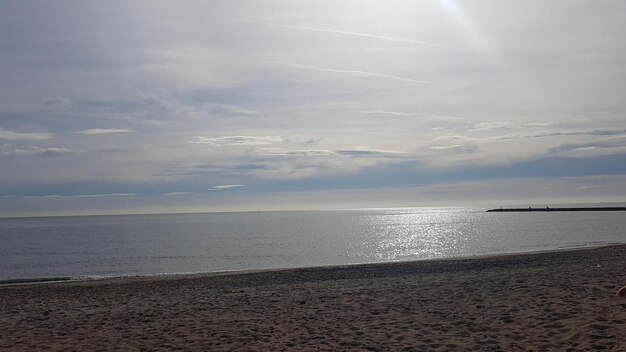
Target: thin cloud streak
{"x": 13, "y": 136}
{"x": 352, "y": 72}
{"x": 590, "y": 132}
{"x": 39, "y": 151}
{"x": 237, "y": 140}
{"x": 297, "y": 152}
{"x": 84, "y": 195}
{"x": 366, "y": 151}
{"x": 384, "y": 112}
{"x": 224, "y": 187}
{"x": 97, "y": 131}
{"x": 488, "y": 126}
{"x": 348, "y": 33}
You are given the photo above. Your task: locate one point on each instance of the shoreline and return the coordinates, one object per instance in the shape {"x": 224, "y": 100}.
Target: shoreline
{"x": 556, "y": 300}
{"x": 167, "y": 276}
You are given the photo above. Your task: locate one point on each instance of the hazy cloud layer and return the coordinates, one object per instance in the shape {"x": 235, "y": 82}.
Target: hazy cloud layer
{"x": 168, "y": 99}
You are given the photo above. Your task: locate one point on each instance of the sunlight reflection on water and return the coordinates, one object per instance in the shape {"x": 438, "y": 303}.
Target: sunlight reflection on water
{"x": 399, "y": 236}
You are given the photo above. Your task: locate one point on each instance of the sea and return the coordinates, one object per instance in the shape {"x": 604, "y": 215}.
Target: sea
{"x": 95, "y": 247}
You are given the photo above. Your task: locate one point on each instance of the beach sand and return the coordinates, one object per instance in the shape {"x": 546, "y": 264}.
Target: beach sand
{"x": 554, "y": 301}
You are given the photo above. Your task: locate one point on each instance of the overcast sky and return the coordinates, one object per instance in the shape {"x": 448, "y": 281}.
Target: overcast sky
{"x": 139, "y": 106}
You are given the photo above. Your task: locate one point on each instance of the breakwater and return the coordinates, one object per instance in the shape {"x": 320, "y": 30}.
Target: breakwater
{"x": 548, "y": 209}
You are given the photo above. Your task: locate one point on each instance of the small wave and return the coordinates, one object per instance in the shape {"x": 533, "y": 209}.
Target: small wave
{"x": 34, "y": 280}
{"x": 589, "y": 244}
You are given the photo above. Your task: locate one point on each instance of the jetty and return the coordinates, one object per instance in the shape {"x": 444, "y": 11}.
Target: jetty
{"x": 548, "y": 209}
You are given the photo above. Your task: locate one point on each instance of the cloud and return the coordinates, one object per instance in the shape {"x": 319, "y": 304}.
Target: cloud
{"x": 488, "y": 126}
{"x": 298, "y": 152}
{"x": 227, "y": 109}
{"x": 38, "y": 151}
{"x": 98, "y": 131}
{"x": 10, "y": 135}
{"x": 237, "y": 140}
{"x": 354, "y": 152}
{"x": 446, "y": 147}
{"x": 456, "y": 148}
{"x": 57, "y": 102}
{"x": 589, "y": 187}
{"x": 383, "y": 112}
{"x": 586, "y": 147}
{"x": 592, "y": 132}
{"x": 180, "y": 107}
{"x": 348, "y": 33}
{"x": 513, "y": 136}
{"x": 178, "y": 193}
{"x": 354, "y": 75}
{"x": 83, "y": 195}
{"x": 313, "y": 140}
{"x": 224, "y": 187}
{"x": 352, "y": 72}
{"x": 366, "y": 151}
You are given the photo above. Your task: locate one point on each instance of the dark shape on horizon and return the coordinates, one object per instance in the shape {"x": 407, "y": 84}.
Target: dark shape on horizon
{"x": 548, "y": 209}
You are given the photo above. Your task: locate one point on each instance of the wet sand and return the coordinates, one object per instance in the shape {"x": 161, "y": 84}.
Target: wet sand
{"x": 555, "y": 301}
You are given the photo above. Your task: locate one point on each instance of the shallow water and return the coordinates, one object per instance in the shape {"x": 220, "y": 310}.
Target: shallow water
{"x": 102, "y": 246}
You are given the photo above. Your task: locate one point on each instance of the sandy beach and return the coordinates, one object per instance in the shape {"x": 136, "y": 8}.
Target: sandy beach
{"x": 554, "y": 301}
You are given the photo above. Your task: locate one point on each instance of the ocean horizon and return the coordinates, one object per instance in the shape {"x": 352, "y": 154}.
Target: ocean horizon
{"x": 104, "y": 246}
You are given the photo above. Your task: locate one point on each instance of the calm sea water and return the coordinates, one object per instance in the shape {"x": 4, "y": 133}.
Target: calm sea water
{"x": 102, "y": 246}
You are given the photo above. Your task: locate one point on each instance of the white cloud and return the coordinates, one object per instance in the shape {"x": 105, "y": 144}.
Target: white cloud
{"x": 487, "y": 126}
{"x": 446, "y": 147}
{"x": 367, "y": 151}
{"x": 237, "y": 140}
{"x": 589, "y": 187}
{"x": 543, "y": 134}
{"x": 606, "y": 145}
{"x": 224, "y": 187}
{"x": 10, "y": 135}
{"x": 106, "y": 195}
{"x": 591, "y": 132}
{"x": 37, "y": 151}
{"x": 98, "y": 131}
{"x": 384, "y": 112}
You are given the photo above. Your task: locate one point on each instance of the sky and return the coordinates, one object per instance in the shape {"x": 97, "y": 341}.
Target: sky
{"x": 157, "y": 106}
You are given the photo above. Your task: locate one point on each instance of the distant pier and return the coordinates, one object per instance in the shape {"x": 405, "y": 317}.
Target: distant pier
{"x": 548, "y": 209}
